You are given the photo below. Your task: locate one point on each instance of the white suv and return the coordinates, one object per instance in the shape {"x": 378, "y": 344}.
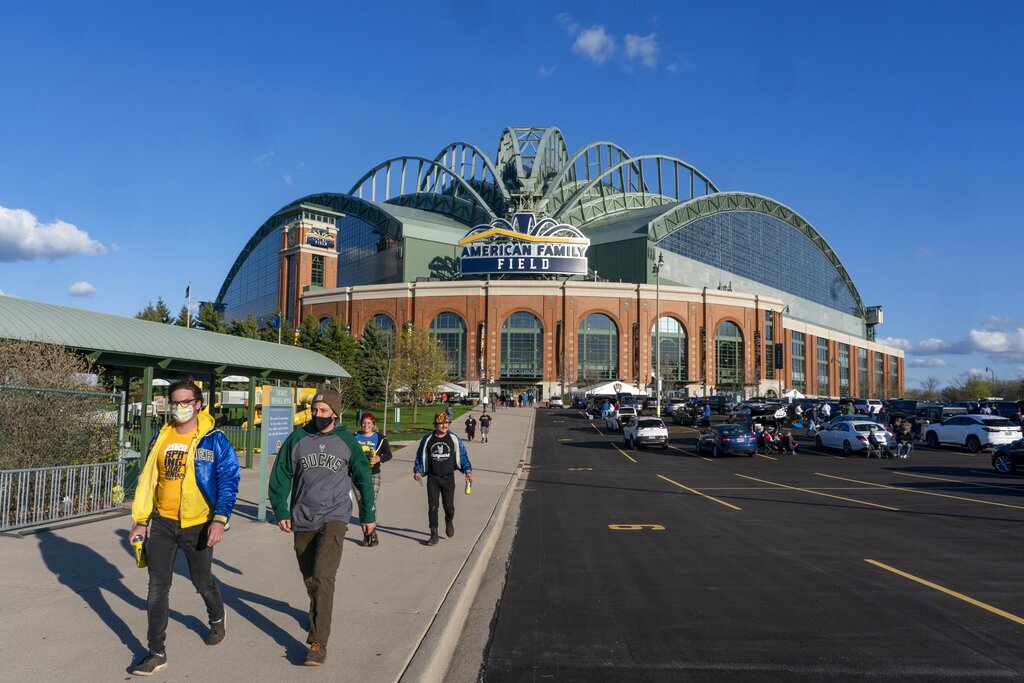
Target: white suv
{"x": 617, "y": 418}
{"x": 555, "y": 402}
{"x": 645, "y": 431}
{"x": 973, "y": 431}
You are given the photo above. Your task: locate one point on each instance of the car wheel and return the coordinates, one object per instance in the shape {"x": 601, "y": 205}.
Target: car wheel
{"x": 817, "y": 442}
{"x": 664, "y": 446}
{"x": 973, "y": 444}
{"x": 847, "y": 448}
{"x": 932, "y": 439}
{"x": 1003, "y": 463}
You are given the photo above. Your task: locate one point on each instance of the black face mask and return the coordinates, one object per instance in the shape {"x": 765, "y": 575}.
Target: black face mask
{"x": 322, "y": 423}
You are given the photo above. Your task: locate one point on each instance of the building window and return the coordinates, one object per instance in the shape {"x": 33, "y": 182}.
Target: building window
{"x": 729, "y": 356}
{"x": 291, "y": 287}
{"x": 597, "y": 349}
{"x": 894, "y": 376}
{"x": 522, "y": 347}
{"x": 384, "y": 323}
{"x": 769, "y": 345}
{"x": 844, "y": 370}
{"x": 799, "y": 363}
{"x": 449, "y": 330}
{"x": 324, "y": 324}
{"x": 880, "y": 375}
{"x": 823, "y": 385}
{"x": 317, "y": 271}
{"x": 862, "y": 373}
{"x": 674, "y": 356}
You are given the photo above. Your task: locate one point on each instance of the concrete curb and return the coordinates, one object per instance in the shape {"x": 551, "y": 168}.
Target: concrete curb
{"x": 434, "y": 652}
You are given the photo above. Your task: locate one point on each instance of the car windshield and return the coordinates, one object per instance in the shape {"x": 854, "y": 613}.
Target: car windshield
{"x": 730, "y": 430}
{"x": 649, "y": 423}
{"x": 997, "y": 422}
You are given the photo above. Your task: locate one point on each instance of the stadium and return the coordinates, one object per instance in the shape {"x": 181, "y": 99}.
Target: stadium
{"x": 549, "y": 271}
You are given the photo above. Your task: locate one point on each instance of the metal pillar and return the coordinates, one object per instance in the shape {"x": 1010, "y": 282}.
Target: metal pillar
{"x": 250, "y": 432}
{"x": 145, "y": 426}
{"x": 657, "y": 333}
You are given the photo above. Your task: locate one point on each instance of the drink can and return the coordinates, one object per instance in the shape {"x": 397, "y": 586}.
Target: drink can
{"x": 140, "y": 552}
{"x": 469, "y": 487}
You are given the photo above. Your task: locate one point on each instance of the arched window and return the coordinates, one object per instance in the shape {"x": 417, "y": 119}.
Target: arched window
{"x": 522, "y": 346}
{"x": 597, "y": 349}
{"x": 674, "y": 365}
{"x": 449, "y": 330}
{"x": 324, "y": 324}
{"x": 729, "y": 355}
{"x": 385, "y": 323}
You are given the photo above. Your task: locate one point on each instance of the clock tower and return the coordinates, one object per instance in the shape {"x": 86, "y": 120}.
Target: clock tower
{"x": 308, "y": 255}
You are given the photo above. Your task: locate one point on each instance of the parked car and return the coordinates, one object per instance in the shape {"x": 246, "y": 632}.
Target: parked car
{"x": 851, "y": 436}
{"x": 1008, "y": 457}
{"x": 670, "y": 406}
{"x": 555, "y": 402}
{"x": 867, "y": 406}
{"x": 1005, "y": 408}
{"x": 972, "y": 431}
{"x": 720, "y": 405}
{"x": 617, "y": 418}
{"x": 727, "y": 439}
{"x": 939, "y": 413}
{"x": 907, "y": 407}
{"x": 595, "y": 402}
{"x": 645, "y": 431}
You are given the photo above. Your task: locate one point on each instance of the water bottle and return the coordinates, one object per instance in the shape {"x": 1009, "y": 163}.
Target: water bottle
{"x": 140, "y": 552}
{"x": 469, "y": 487}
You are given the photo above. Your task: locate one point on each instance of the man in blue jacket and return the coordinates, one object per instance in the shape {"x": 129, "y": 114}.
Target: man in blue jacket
{"x": 438, "y": 456}
{"x": 183, "y": 501}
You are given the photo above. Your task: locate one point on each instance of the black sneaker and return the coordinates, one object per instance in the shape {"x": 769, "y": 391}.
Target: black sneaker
{"x": 449, "y": 528}
{"x": 316, "y": 655}
{"x": 366, "y": 540}
{"x": 217, "y": 631}
{"x": 433, "y": 538}
{"x": 150, "y": 664}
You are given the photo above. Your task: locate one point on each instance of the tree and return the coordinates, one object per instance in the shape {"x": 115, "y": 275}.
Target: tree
{"x": 210, "y": 319}
{"x": 966, "y": 387}
{"x": 380, "y": 364}
{"x": 184, "y": 315}
{"x": 422, "y": 363}
{"x": 338, "y": 345}
{"x": 930, "y": 388}
{"x": 270, "y": 333}
{"x": 248, "y": 328}
{"x": 157, "y": 314}
{"x": 309, "y": 334}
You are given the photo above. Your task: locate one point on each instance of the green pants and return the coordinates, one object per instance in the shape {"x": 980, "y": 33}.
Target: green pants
{"x": 319, "y": 554}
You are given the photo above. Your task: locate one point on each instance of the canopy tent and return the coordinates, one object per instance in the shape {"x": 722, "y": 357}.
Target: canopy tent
{"x": 612, "y": 387}
{"x": 793, "y": 393}
{"x": 452, "y": 388}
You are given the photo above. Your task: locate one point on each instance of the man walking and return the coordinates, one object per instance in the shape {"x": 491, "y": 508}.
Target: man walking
{"x": 470, "y": 427}
{"x": 183, "y": 501}
{"x": 437, "y": 457}
{"x": 309, "y": 491}
{"x": 485, "y": 426}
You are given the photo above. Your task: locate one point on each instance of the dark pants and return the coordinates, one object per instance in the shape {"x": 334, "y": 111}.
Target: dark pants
{"x": 445, "y": 486}
{"x": 319, "y": 554}
{"x": 470, "y": 433}
{"x": 165, "y": 538}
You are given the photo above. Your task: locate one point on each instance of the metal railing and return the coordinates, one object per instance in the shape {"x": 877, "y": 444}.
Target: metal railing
{"x": 46, "y": 494}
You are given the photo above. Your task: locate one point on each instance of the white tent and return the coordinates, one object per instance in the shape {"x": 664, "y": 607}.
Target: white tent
{"x": 452, "y": 388}
{"x": 793, "y": 393}
{"x": 613, "y": 387}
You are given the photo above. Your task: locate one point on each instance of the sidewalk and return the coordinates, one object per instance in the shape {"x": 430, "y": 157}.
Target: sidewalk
{"x": 72, "y": 602}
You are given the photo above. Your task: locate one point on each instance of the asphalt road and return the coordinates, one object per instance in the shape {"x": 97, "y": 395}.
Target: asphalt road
{"x": 650, "y": 565}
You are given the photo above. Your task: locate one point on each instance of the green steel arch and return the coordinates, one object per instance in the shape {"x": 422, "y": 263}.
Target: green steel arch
{"x": 607, "y": 154}
{"x": 342, "y": 203}
{"x": 453, "y": 157}
{"x": 682, "y": 215}
{"x": 527, "y": 156}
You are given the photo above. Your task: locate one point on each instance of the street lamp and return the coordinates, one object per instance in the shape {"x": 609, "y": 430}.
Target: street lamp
{"x": 657, "y": 333}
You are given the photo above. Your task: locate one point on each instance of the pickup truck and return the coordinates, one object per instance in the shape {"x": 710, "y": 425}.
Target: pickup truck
{"x": 645, "y": 431}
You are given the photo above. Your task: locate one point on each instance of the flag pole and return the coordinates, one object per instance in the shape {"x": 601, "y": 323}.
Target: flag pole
{"x": 188, "y": 304}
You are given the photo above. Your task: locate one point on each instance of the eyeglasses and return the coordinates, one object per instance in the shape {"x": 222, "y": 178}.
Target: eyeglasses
{"x": 175, "y": 404}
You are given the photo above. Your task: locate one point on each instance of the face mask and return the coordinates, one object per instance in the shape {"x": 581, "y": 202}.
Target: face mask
{"x": 322, "y": 423}
{"x": 182, "y": 413}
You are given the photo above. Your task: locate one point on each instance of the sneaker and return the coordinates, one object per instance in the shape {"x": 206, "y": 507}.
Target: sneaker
{"x": 433, "y": 538}
{"x": 217, "y": 632}
{"x": 373, "y": 538}
{"x": 149, "y": 665}
{"x": 449, "y": 529}
{"x": 366, "y": 541}
{"x": 317, "y": 654}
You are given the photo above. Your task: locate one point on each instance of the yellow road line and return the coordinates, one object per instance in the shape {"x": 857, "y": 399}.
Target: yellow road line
{"x": 924, "y": 493}
{"x": 960, "y": 596}
{"x": 818, "y": 493}
{"x": 768, "y": 457}
{"x": 704, "y": 495}
{"x": 683, "y": 450}
{"x": 958, "y": 481}
{"x": 622, "y": 451}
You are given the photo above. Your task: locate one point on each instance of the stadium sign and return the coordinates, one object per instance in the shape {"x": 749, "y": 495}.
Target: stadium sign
{"x": 524, "y": 245}
{"x": 320, "y": 238}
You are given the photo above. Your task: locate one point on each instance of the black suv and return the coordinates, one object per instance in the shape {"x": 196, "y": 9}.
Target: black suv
{"x": 719, "y": 404}
{"x": 907, "y": 408}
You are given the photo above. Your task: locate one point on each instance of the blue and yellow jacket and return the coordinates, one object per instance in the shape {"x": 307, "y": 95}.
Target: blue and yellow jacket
{"x": 210, "y": 486}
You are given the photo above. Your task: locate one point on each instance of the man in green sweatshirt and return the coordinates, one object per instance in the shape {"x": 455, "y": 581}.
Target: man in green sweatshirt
{"x": 309, "y": 491}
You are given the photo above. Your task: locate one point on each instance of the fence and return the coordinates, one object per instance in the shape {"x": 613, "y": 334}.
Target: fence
{"x": 46, "y": 494}
{"x": 236, "y": 435}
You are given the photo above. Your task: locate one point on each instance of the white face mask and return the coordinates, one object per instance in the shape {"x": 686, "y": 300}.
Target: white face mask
{"x": 183, "y": 413}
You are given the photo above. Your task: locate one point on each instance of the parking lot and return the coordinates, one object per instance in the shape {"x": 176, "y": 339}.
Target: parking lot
{"x": 646, "y": 564}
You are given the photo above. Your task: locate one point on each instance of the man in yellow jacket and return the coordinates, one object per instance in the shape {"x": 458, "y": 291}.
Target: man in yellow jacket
{"x": 184, "y": 499}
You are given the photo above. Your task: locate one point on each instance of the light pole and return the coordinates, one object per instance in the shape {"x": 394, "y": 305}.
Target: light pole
{"x": 657, "y": 333}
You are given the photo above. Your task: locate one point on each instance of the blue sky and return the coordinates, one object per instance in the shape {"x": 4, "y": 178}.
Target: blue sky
{"x": 142, "y": 143}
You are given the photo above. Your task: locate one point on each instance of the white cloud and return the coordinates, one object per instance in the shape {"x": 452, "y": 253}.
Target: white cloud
{"x": 895, "y": 342}
{"x": 643, "y": 48}
{"x": 928, "y": 363}
{"x": 24, "y": 238}
{"x": 681, "y": 63}
{"x": 989, "y": 341}
{"x": 566, "y": 21}
{"x": 82, "y": 288}
{"x": 595, "y": 44}
{"x": 263, "y": 160}
{"x": 924, "y": 253}
{"x": 976, "y": 372}
{"x": 287, "y": 178}
{"x": 546, "y": 71}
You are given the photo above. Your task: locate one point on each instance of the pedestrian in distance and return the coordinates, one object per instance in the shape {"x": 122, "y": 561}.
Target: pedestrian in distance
{"x": 376, "y": 448}
{"x": 470, "y": 427}
{"x": 485, "y": 426}
{"x": 184, "y": 499}
{"x": 317, "y": 467}
{"x": 438, "y": 456}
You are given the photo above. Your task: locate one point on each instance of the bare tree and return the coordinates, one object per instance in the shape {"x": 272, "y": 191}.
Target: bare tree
{"x": 380, "y": 364}
{"x": 423, "y": 363}
{"x": 930, "y": 388}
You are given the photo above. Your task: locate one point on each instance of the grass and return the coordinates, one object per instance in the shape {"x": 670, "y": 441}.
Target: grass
{"x": 409, "y": 430}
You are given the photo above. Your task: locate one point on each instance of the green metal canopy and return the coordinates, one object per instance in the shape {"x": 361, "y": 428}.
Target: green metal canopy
{"x": 115, "y": 341}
